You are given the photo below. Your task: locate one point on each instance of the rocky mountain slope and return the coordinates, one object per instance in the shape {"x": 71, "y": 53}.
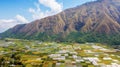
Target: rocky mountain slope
{"x": 101, "y": 16}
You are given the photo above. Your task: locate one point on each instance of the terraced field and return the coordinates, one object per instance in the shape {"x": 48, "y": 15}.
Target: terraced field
{"x": 24, "y": 53}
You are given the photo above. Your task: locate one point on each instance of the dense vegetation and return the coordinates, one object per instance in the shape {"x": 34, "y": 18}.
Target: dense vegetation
{"x": 112, "y": 39}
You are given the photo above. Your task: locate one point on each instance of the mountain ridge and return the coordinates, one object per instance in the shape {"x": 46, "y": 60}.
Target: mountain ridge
{"x": 101, "y": 16}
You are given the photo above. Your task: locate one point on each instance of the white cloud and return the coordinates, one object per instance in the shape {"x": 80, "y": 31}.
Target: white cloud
{"x": 31, "y": 10}
{"x": 21, "y": 19}
{"x": 54, "y": 6}
{"x": 6, "y": 24}
{"x": 9, "y": 23}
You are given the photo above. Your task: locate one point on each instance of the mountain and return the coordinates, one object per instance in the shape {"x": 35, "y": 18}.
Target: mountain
{"x": 101, "y": 16}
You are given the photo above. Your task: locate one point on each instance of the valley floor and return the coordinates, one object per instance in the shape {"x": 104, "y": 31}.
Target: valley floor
{"x": 24, "y": 53}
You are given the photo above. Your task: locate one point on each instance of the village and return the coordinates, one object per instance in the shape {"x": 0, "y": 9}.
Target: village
{"x": 21, "y": 53}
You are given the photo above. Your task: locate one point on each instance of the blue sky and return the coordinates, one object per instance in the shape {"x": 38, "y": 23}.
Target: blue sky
{"x": 14, "y": 12}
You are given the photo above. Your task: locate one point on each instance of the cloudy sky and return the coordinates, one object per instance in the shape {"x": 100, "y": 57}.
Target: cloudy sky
{"x": 13, "y": 12}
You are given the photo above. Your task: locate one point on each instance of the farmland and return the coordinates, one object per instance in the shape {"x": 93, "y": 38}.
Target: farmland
{"x": 25, "y": 53}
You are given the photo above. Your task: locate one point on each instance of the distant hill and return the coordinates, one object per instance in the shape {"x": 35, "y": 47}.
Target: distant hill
{"x": 101, "y": 17}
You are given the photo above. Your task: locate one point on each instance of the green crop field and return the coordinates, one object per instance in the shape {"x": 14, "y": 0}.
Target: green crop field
{"x": 25, "y": 53}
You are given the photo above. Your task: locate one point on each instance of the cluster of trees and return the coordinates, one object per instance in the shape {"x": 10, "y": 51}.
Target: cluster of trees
{"x": 112, "y": 39}
{"x": 79, "y": 37}
{"x": 12, "y": 60}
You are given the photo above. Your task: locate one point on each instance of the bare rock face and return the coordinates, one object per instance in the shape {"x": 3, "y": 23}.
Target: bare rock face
{"x": 101, "y": 16}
